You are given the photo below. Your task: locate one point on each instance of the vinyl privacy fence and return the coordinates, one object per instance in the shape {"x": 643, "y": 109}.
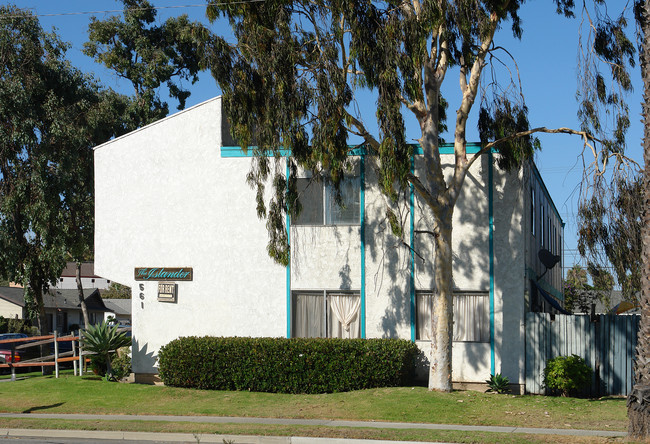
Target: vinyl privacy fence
{"x": 606, "y": 342}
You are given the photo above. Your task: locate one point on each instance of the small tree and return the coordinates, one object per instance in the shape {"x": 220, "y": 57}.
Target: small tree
{"x": 579, "y": 295}
{"x": 117, "y": 291}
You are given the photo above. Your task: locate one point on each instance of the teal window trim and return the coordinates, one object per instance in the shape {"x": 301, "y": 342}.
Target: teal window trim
{"x": 362, "y": 217}
{"x": 412, "y": 240}
{"x": 444, "y": 148}
{"x": 491, "y": 247}
{"x": 288, "y": 223}
{"x": 237, "y": 151}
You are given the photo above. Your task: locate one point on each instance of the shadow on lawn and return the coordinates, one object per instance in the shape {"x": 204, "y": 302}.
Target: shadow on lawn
{"x": 43, "y": 407}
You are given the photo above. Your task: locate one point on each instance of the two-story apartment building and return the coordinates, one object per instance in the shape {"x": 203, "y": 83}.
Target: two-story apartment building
{"x": 176, "y": 221}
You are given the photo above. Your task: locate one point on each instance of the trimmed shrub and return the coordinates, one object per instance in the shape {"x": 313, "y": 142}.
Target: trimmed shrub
{"x": 567, "y": 374}
{"x": 279, "y": 365}
{"x": 13, "y": 325}
{"x": 120, "y": 364}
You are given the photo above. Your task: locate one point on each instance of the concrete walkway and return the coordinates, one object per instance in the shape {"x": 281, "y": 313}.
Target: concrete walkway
{"x": 240, "y": 439}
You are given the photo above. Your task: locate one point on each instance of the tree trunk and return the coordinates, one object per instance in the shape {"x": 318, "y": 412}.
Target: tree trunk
{"x": 442, "y": 313}
{"x": 638, "y": 402}
{"x": 82, "y": 299}
{"x": 41, "y": 319}
{"x": 36, "y": 287}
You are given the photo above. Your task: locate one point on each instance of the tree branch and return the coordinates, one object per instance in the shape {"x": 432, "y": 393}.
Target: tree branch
{"x": 362, "y": 131}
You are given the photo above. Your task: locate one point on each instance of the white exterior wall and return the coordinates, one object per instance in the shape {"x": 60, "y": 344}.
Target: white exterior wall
{"x": 388, "y": 311}
{"x": 165, "y": 198}
{"x": 509, "y": 275}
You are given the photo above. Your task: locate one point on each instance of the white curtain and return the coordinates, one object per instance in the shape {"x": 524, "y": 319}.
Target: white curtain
{"x": 308, "y": 316}
{"x": 424, "y": 304}
{"x": 345, "y": 320}
{"x": 471, "y": 317}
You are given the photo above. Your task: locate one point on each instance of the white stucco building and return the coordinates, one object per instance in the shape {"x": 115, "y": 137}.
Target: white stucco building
{"x": 173, "y": 196}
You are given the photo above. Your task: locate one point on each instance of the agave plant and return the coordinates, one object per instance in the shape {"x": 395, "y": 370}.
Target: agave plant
{"x": 102, "y": 340}
{"x": 497, "y": 383}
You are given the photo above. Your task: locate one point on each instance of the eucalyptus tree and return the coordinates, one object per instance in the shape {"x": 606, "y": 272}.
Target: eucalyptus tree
{"x": 609, "y": 229}
{"x": 50, "y": 117}
{"x": 149, "y": 55}
{"x": 292, "y": 80}
{"x": 640, "y": 418}
{"x": 610, "y": 51}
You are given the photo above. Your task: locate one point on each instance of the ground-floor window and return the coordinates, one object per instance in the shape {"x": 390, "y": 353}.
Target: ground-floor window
{"x": 325, "y": 314}
{"x": 471, "y": 316}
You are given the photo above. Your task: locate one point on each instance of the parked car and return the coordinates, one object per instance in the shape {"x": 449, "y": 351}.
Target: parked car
{"x": 5, "y": 348}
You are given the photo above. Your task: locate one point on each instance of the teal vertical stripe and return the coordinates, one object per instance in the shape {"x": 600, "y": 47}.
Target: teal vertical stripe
{"x": 491, "y": 242}
{"x": 288, "y": 221}
{"x": 412, "y": 228}
{"x": 362, "y": 217}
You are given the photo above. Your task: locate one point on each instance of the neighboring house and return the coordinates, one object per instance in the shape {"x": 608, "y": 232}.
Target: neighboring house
{"x": 89, "y": 279}
{"x": 118, "y": 309}
{"x": 176, "y": 221}
{"x": 61, "y": 307}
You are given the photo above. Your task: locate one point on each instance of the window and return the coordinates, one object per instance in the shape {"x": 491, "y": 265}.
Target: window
{"x": 532, "y": 210}
{"x": 319, "y": 206}
{"x": 471, "y": 317}
{"x": 541, "y": 225}
{"x": 325, "y": 314}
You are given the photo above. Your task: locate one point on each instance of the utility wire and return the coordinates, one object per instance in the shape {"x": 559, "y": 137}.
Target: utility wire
{"x": 107, "y": 11}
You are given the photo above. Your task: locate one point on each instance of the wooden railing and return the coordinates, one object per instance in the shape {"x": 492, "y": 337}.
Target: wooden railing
{"x": 75, "y": 355}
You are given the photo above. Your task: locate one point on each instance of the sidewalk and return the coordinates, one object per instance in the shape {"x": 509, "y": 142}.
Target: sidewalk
{"x": 241, "y": 439}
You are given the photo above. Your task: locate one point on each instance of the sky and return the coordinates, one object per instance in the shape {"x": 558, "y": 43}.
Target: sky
{"x": 546, "y": 58}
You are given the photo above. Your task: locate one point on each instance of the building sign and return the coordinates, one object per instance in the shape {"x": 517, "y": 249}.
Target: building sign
{"x": 163, "y": 274}
{"x": 167, "y": 291}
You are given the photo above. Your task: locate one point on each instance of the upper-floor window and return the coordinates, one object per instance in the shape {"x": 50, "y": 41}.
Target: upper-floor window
{"x": 541, "y": 226}
{"x": 532, "y": 210}
{"x": 319, "y": 205}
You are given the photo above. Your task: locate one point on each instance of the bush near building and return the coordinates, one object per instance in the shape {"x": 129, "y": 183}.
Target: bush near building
{"x": 279, "y": 365}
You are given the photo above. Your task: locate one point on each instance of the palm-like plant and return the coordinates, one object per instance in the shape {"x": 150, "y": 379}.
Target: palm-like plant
{"x": 102, "y": 340}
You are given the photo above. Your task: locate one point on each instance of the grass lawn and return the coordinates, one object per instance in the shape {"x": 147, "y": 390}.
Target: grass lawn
{"x": 404, "y": 404}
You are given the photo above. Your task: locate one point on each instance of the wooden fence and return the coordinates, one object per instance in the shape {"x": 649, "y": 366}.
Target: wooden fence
{"x": 606, "y": 342}
{"x": 55, "y": 359}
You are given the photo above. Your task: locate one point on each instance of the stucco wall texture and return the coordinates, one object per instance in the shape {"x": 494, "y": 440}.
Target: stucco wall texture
{"x": 165, "y": 197}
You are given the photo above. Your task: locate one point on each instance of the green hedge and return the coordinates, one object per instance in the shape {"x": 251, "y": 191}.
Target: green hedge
{"x": 286, "y": 365}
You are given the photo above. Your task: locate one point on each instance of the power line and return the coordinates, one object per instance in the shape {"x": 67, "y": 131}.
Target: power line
{"x": 108, "y": 11}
